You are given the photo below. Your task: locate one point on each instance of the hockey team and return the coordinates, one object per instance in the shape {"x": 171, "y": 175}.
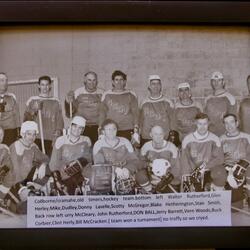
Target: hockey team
{"x": 114, "y": 146}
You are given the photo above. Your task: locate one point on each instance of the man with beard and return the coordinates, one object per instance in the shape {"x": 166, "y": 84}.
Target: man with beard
{"x": 85, "y": 102}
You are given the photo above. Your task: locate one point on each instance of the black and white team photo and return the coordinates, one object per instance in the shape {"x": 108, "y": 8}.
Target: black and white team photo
{"x": 124, "y": 112}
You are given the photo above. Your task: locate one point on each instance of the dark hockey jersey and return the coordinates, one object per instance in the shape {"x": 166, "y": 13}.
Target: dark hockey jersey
{"x": 86, "y": 104}
{"x": 52, "y": 118}
{"x": 155, "y": 112}
{"x": 216, "y": 107}
{"x": 122, "y": 107}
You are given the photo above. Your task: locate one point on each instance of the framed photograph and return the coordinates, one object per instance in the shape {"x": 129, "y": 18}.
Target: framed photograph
{"x": 124, "y": 124}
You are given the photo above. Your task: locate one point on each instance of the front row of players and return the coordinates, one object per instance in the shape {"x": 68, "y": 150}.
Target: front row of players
{"x": 204, "y": 162}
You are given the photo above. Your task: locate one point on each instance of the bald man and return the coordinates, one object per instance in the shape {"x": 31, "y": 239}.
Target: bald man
{"x": 159, "y": 148}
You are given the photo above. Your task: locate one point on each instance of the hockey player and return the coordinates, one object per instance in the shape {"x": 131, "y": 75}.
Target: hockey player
{"x": 244, "y": 110}
{"x": 218, "y": 104}
{"x": 5, "y": 162}
{"x": 51, "y": 114}
{"x": 155, "y": 110}
{"x": 236, "y": 147}
{"x": 9, "y": 112}
{"x": 70, "y": 148}
{"x": 159, "y": 148}
{"x": 119, "y": 153}
{"x": 201, "y": 151}
{"x": 28, "y": 172}
{"x": 85, "y": 102}
{"x": 25, "y": 154}
{"x": 120, "y": 105}
{"x": 185, "y": 111}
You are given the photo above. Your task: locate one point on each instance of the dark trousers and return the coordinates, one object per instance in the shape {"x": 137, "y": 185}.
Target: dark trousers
{"x": 10, "y": 136}
{"x": 92, "y": 132}
{"x": 47, "y": 145}
{"x": 125, "y": 133}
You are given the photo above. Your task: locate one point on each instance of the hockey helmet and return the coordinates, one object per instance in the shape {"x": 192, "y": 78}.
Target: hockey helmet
{"x": 160, "y": 167}
{"x": 78, "y": 120}
{"x": 236, "y": 174}
{"x": 29, "y": 125}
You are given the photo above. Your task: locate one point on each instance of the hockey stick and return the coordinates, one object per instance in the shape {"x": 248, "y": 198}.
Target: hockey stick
{"x": 41, "y": 129}
{"x": 240, "y": 210}
{"x": 70, "y": 110}
{"x": 9, "y": 213}
{"x": 171, "y": 187}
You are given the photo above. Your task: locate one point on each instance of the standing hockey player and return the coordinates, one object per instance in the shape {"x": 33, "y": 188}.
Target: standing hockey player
{"x": 51, "y": 114}
{"x": 244, "y": 110}
{"x": 9, "y": 112}
{"x": 5, "y": 162}
{"x": 201, "y": 151}
{"x": 219, "y": 104}
{"x": 120, "y": 105}
{"x": 236, "y": 148}
{"x": 185, "y": 111}
{"x": 85, "y": 101}
{"x": 155, "y": 110}
{"x": 71, "y": 150}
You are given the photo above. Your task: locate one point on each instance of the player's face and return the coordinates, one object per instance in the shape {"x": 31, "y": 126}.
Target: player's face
{"x": 217, "y": 84}
{"x": 76, "y": 130}
{"x": 231, "y": 125}
{"x": 1, "y": 135}
{"x": 184, "y": 93}
{"x": 90, "y": 82}
{"x": 202, "y": 126}
{"x": 29, "y": 137}
{"x": 155, "y": 87}
{"x": 157, "y": 135}
{"x": 3, "y": 83}
{"x": 44, "y": 86}
{"x": 119, "y": 83}
{"x": 110, "y": 131}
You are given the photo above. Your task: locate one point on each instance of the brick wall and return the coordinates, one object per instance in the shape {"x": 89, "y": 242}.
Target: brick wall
{"x": 176, "y": 53}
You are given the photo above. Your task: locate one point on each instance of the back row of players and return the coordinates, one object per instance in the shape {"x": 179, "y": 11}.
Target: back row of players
{"x": 202, "y": 143}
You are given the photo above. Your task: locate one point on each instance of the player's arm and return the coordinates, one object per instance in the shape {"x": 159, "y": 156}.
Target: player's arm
{"x": 135, "y": 110}
{"x": 217, "y": 157}
{"x": 186, "y": 163}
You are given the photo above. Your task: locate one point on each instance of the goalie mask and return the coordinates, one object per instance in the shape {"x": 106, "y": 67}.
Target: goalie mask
{"x": 236, "y": 174}
{"x": 160, "y": 167}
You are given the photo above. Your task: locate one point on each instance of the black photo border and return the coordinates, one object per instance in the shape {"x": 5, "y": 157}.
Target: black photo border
{"x": 229, "y": 13}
